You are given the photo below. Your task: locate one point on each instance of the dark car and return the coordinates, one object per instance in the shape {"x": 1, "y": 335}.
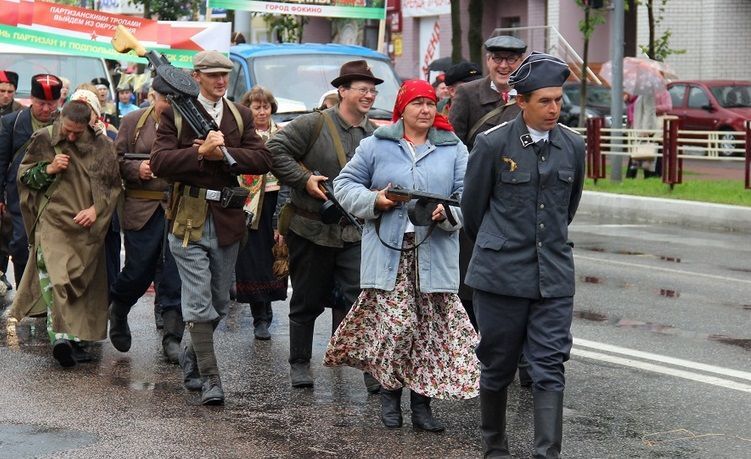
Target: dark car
{"x": 598, "y": 103}
{"x": 712, "y": 105}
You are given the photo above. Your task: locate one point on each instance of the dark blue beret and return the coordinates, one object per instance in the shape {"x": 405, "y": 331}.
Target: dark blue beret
{"x": 539, "y": 70}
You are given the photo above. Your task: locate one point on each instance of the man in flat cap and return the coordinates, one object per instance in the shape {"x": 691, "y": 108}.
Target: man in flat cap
{"x": 143, "y": 223}
{"x": 8, "y": 86}
{"x": 455, "y": 76}
{"x": 322, "y": 255}
{"x": 485, "y": 103}
{"x": 15, "y": 131}
{"x": 521, "y": 191}
{"x": 205, "y": 234}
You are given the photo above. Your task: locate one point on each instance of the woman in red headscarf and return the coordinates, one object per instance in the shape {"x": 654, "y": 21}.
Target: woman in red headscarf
{"x": 408, "y": 327}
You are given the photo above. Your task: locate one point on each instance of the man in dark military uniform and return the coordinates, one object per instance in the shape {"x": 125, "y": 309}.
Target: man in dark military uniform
{"x": 521, "y": 191}
{"x": 143, "y": 222}
{"x": 482, "y": 104}
{"x": 8, "y": 86}
{"x": 15, "y": 134}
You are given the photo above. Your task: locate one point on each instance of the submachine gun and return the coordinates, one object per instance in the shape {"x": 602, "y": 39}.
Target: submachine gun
{"x": 185, "y": 89}
{"x": 331, "y": 210}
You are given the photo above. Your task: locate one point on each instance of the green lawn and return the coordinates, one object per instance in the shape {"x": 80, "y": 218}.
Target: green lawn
{"x": 718, "y": 191}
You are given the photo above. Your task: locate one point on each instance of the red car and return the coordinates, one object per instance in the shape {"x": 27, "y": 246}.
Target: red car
{"x": 712, "y": 105}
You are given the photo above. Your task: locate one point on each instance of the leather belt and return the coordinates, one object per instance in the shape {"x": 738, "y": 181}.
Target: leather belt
{"x": 306, "y": 213}
{"x": 196, "y": 192}
{"x": 151, "y": 195}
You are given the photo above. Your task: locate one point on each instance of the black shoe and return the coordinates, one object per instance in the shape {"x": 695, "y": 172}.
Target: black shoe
{"x": 211, "y": 391}
{"x": 300, "y": 375}
{"x": 391, "y": 408}
{"x": 371, "y": 384}
{"x": 422, "y": 415}
{"x": 62, "y": 351}
{"x": 191, "y": 375}
{"x": 174, "y": 327}
{"x": 119, "y": 329}
{"x": 261, "y": 331}
{"x": 81, "y": 352}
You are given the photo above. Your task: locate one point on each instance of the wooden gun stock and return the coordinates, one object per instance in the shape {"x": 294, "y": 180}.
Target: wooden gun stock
{"x": 123, "y": 41}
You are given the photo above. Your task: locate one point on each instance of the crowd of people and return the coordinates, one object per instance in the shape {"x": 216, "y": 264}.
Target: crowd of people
{"x": 444, "y": 297}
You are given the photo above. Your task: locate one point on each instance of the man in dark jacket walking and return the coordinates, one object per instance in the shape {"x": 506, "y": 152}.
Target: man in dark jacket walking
{"x": 522, "y": 188}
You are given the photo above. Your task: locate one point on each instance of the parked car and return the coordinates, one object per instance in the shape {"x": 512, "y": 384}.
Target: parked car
{"x": 28, "y": 62}
{"x": 298, "y": 74}
{"x": 712, "y": 105}
{"x": 597, "y": 105}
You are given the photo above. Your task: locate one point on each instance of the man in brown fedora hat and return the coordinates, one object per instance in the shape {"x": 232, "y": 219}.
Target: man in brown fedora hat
{"x": 323, "y": 257}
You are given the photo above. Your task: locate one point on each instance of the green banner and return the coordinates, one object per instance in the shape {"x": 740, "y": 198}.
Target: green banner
{"x": 82, "y": 47}
{"x": 301, "y": 8}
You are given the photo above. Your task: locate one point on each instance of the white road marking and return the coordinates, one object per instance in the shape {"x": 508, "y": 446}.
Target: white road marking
{"x": 667, "y": 270}
{"x": 726, "y": 383}
{"x": 578, "y": 342}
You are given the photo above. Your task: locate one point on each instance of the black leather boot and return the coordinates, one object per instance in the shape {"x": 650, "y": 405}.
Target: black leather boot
{"x": 212, "y": 392}
{"x": 548, "y": 424}
{"x": 371, "y": 384}
{"x": 261, "y": 321}
{"x": 173, "y": 334}
{"x": 337, "y": 315}
{"x": 62, "y": 351}
{"x": 191, "y": 376}
{"x": 422, "y": 415}
{"x": 524, "y": 379}
{"x": 300, "y": 349}
{"x": 119, "y": 329}
{"x": 493, "y": 423}
{"x": 158, "y": 319}
{"x": 391, "y": 408}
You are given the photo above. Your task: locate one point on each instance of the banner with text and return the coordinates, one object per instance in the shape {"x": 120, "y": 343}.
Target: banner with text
{"x": 357, "y": 9}
{"x": 418, "y": 8}
{"x": 80, "y": 31}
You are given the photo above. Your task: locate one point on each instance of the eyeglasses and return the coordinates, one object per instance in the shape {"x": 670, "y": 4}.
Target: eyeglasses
{"x": 365, "y": 91}
{"x": 510, "y": 60}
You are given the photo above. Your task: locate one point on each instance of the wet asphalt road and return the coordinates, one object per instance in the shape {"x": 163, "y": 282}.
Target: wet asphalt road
{"x": 667, "y": 292}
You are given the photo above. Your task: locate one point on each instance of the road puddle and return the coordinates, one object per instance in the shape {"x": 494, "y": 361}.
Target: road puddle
{"x": 633, "y": 253}
{"x": 743, "y": 343}
{"x": 20, "y": 440}
{"x": 591, "y": 316}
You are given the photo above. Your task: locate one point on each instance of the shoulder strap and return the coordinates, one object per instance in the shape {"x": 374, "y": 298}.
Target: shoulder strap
{"x": 482, "y": 121}
{"x": 12, "y": 132}
{"x": 337, "y": 140}
{"x": 140, "y": 123}
{"x": 316, "y": 133}
{"x": 236, "y": 114}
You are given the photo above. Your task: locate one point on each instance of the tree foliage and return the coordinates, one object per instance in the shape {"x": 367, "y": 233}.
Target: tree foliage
{"x": 658, "y": 48}
{"x": 168, "y": 10}
{"x": 456, "y": 32}
{"x": 285, "y": 28}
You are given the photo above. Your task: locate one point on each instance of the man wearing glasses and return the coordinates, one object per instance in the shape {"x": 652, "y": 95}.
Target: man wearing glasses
{"x": 482, "y": 104}
{"x": 323, "y": 256}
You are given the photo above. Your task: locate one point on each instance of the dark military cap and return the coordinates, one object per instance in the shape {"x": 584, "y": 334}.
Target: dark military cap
{"x": 46, "y": 86}
{"x": 6, "y": 76}
{"x": 539, "y": 70}
{"x": 159, "y": 85}
{"x": 462, "y": 72}
{"x": 100, "y": 82}
{"x": 505, "y": 43}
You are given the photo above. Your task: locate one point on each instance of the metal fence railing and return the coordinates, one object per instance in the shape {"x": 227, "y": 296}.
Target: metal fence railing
{"x": 671, "y": 143}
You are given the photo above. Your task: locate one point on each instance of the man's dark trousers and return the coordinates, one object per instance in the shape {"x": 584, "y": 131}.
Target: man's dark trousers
{"x": 143, "y": 250}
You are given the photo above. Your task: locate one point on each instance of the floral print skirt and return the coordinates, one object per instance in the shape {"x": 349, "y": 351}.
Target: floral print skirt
{"x": 405, "y": 338}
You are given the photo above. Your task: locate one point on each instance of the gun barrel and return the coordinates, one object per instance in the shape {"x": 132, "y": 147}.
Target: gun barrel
{"x": 137, "y": 156}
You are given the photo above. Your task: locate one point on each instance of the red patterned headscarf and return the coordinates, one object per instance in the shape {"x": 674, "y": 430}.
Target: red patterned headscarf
{"x": 411, "y": 90}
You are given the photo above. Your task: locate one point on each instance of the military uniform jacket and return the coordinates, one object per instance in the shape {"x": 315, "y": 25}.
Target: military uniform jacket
{"x": 517, "y": 204}
{"x": 14, "y": 106}
{"x": 472, "y": 101}
{"x": 289, "y": 149}
{"x": 15, "y": 131}
{"x": 176, "y": 160}
{"x": 137, "y": 211}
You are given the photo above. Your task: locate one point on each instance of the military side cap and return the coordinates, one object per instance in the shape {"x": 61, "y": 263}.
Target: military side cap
{"x": 505, "y": 43}
{"x": 6, "y": 76}
{"x": 46, "y": 86}
{"x": 462, "y": 72}
{"x": 100, "y": 82}
{"x": 354, "y": 71}
{"x": 212, "y": 62}
{"x": 539, "y": 70}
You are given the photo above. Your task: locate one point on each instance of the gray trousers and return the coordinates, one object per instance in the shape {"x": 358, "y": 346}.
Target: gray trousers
{"x": 509, "y": 325}
{"x": 206, "y": 274}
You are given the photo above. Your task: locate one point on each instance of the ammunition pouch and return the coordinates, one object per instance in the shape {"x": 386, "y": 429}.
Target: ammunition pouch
{"x": 284, "y": 218}
{"x": 188, "y": 211}
{"x": 233, "y": 197}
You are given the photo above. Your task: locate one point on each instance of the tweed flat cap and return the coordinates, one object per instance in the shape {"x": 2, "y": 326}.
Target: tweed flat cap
{"x": 212, "y": 62}
{"x": 505, "y": 43}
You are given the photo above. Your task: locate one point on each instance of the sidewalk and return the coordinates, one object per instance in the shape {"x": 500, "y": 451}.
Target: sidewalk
{"x": 673, "y": 211}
